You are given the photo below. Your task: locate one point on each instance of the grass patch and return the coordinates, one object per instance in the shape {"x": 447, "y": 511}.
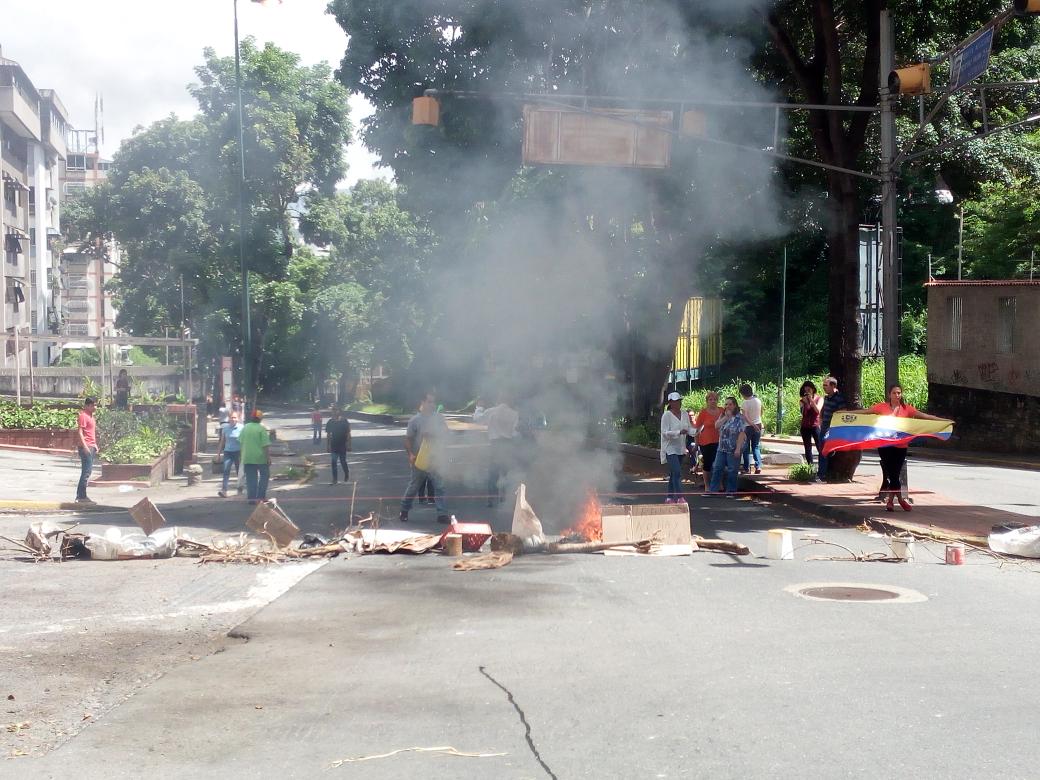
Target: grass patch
{"x": 801, "y": 472}
{"x": 370, "y": 408}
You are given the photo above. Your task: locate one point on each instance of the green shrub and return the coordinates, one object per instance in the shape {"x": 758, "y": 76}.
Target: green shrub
{"x": 142, "y": 446}
{"x": 913, "y": 374}
{"x": 39, "y": 415}
{"x": 126, "y": 437}
{"x": 801, "y": 472}
{"x": 645, "y": 434}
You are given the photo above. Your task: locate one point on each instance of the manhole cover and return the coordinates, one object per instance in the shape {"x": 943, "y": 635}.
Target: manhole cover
{"x": 856, "y": 591}
{"x": 849, "y": 594}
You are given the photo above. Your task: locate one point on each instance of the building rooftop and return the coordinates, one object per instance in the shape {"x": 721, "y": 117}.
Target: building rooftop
{"x": 983, "y": 283}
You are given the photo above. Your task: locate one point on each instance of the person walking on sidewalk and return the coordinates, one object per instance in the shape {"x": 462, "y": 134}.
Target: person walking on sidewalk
{"x": 426, "y": 435}
{"x": 832, "y": 402}
{"x": 674, "y": 427}
{"x": 810, "y": 404}
{"x": 86, "y": 445}
{"x": 255, "y": 443}
{"x": 501, "y": 420}
{"x": 316, "y": 424}
{"x": 707, "y": 433}
{"x": 230, "y": 451}
{"x": 338, "y": 442}
{"x": 751, "y": 407}
{"x": 732, "y": 428}
{"x": 893, "y": 456}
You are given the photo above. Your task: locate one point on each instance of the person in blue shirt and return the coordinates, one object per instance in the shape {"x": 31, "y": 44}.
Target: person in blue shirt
{"x": 230, "y": 450}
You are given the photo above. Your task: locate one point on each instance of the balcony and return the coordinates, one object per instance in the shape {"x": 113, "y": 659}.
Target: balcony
{"x": 19, "y": 113}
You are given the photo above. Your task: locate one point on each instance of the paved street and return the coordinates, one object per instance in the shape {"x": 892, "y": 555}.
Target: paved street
{"x": 705, "y": 666}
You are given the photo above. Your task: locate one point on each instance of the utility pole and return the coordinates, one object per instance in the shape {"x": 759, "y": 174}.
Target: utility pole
{"x": 960, "y": 244}
{"x": 889, "y": 273}
{"x": 247, "y": 350}
{"x": 1032, "y": 256}
{"x": 783, "y": 321}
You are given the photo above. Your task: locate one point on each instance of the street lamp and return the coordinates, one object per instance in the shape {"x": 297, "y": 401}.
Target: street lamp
{"x": 246, "y": 327}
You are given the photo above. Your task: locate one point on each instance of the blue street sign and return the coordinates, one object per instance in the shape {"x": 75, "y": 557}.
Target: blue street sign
{"x": 970, "y": 60}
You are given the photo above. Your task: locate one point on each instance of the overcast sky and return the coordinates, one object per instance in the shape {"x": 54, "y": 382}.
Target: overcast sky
{"x": 139, "y": 54}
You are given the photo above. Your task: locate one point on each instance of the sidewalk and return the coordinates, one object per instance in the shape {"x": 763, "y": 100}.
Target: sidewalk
{"x": 855, "y": 503}
{"x": 932, "y": 452}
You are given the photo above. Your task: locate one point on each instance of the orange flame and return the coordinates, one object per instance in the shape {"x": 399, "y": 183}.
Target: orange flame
{"x": 590, "y": 522}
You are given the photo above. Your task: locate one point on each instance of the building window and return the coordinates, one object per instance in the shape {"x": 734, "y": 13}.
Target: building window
{"x": 76, "y": 162}
{"x": 1006, "y": 326}
{"x": 954, "y": 317}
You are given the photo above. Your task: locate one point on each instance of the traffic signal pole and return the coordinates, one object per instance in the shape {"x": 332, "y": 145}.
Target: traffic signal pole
{"x": 889, "y": 215}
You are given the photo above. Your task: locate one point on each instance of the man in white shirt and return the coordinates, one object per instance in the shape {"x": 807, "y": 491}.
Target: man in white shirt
{"x": 751, "y": 408}
{"x": 501, "y": 421}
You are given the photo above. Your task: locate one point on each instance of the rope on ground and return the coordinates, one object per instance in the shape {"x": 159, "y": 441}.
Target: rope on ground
{"x": 445, "y": 750}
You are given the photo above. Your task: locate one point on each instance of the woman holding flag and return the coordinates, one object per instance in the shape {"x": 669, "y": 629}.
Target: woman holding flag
{"x": 894, "y": 455}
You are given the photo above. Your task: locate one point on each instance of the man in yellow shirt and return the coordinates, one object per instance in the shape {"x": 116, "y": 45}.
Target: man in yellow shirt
{"x": 255, "y": 444}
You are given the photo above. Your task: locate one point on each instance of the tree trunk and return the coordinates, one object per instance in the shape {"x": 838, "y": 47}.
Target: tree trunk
{"x": 844, "y": 355}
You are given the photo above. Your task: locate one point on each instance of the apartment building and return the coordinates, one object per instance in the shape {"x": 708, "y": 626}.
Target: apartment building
{"x": 87, "y": 308}
{"x": 33, "y": 126}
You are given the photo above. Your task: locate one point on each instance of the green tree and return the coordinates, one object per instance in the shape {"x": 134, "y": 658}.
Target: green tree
{"x": 172, "y": 204}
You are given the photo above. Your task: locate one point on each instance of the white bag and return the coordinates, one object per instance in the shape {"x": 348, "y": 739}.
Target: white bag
{"x": 1018, "y": 541}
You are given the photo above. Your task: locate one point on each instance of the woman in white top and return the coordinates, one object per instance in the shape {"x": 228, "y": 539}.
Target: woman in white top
{"x": 674, "y": 427}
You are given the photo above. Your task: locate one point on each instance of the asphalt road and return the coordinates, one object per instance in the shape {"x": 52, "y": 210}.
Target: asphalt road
{"x": 594, "y": 666}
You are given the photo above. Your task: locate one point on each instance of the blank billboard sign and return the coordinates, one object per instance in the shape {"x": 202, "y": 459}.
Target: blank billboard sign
{"x": 611, "y": 137}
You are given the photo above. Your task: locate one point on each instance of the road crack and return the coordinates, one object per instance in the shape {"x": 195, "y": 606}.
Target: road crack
{"x": 523, "y": 720}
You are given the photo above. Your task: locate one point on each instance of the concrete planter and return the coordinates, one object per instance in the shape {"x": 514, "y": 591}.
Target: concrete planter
{"x": 159, "y": 469}
{"x": 41, "y": 438}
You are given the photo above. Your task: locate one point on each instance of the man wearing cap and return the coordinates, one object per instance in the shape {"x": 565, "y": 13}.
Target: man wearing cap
{"x": 674, "y": 427}
{"x": 255, "y": 444}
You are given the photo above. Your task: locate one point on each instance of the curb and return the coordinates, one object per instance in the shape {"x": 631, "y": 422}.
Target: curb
{"x": 838, "y": 515}
{"x": 29, "y": 505}
{"x": 42, "y": 450}
{"x": 384, "y": 419}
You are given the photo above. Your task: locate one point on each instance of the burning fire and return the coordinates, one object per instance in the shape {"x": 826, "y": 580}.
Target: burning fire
{"x": 590, "y": 522}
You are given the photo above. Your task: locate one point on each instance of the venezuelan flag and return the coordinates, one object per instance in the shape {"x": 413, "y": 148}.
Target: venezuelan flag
{"x": 851, "y": 431}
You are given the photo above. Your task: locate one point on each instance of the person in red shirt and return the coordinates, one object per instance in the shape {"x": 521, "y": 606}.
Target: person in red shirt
{"x": 316, "y": 424}
{"x": 893, "y": 456}
{"x": 87, "y": 446}
{"x": 707, "y": 433}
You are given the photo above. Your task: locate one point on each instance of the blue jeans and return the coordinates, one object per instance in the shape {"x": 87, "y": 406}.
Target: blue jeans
{"x": 340, "y": 457}
{"x": 419, "y": 477}
{"x": 726, "y": 461}
{"x": 257, "y": 475}
{"x": 674, "y": 476}
{"x": 315, "y": 432}
{"x": 86, "y": 465}
{"x": 821, "y": 470}
{"x": 754, "y": 438}
{"x": 231, "y": 460}
{"x": 500, "y": 454}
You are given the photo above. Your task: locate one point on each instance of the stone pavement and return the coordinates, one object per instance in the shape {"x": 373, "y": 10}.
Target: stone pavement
{"x": 933, "y": 514}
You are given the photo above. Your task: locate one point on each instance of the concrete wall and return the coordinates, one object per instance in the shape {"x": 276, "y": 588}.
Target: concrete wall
{"x": 988, "y": 421}
{"x": 979, "y": 363}
{"x": 68, "y": 382}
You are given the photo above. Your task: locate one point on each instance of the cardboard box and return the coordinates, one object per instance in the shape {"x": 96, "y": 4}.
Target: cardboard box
{"x": 635, "y": 522}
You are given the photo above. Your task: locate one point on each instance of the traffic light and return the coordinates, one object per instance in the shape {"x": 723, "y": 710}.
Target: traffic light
{"x": 1024, "y": 7}
{"x": 426, "y": 111}
{"x": 913, "y": 79}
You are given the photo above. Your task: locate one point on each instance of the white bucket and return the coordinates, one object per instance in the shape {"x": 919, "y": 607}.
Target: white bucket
{"x": 902, "y": 548}
{"x": 780, "y": 546}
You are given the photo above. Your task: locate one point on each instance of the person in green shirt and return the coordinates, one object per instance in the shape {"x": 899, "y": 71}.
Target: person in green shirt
{"x": 255, "y": 444}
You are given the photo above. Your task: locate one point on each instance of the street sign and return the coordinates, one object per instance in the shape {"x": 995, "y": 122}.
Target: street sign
{"x": 970, "y": 60}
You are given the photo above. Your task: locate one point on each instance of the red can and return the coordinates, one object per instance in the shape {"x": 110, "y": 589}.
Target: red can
{"x": 955, "y": 554}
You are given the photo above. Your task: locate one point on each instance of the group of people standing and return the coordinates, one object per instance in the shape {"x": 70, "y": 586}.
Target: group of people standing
{"x": 728, "y": 438}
